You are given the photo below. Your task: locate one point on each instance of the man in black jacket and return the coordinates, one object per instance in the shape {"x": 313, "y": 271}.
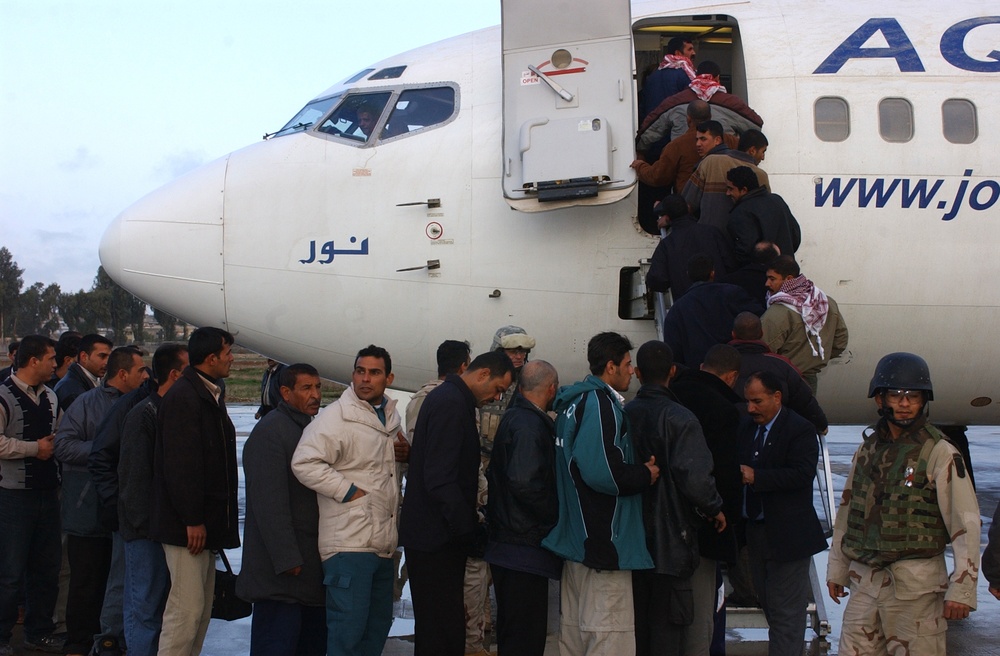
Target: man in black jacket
{"x": 84, "y": 374}
{"x": 758, "y": 215}
{"x": 195, "y": 488}
{"x": 146, "y": 579}
{"x": 686, "y": 238}
{"x": 704, "y": 316}
{"x": 523, "y": 508}
{"x": 708, "y": 393}
{"x": 674, "y": 508}
{"x": 778, "y": 456}
{"x": 439, "y": 523}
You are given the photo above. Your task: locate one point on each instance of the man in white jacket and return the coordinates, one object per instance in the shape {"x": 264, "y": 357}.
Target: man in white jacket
{"x": 348, "y": 455}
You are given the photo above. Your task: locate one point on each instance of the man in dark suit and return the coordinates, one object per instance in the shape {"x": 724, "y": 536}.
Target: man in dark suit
{"x": 439, "y": 525}
{"x": 778, "y": 455}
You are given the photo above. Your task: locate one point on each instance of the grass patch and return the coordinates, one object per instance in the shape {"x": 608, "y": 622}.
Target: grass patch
{"x": 243, "y": 384}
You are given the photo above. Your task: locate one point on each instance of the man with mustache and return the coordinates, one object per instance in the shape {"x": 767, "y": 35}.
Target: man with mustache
{"x": 778, "y": 455}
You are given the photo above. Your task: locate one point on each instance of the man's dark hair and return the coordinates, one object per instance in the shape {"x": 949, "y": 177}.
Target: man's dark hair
{"x": 604, "y": 348}
{"x": 714, "y": 128}
{"x": 372, "y": 351}
{"x": 764, "y": 252}
{"x": 33, "y": 346}
{"x": 767, "y": 379}
{"x": 676, "y": 44}
{"x": 708, "y": 68}
{"x": 743, "y": 177}
{"x": 721, "y": 359}
{"x": 290, "y": 374}
{"x": 68, "y": 346}
{"x": 673, "y": 206}
{"x": 751, "y": 139}
{"x": 12, "y": 348}
{"x": 88, "y": 342}
{"x": 120, "y": 359}
{"x": 497, "y": 362}
{"x": 451, "y": 355}
{"x": 207, "y": 341}
{"x": 700, "y": 268}
{"x": 747, "y": 326}
{"x": 698, "y": 111}
{"x": 784, "y": 266}
{"x": 166, "y": 359}
{"x": 654, "y": 360}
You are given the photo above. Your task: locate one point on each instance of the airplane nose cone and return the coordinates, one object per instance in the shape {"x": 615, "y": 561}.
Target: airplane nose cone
{"x": 167, "y": 248}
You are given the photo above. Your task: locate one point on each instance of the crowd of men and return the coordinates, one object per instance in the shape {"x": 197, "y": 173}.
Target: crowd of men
{"x": 119, "y": 483}
{"x": 634, "y": 507}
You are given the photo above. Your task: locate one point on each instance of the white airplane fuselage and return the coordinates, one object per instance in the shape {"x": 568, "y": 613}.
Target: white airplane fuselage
{"x": 296, "y": 243}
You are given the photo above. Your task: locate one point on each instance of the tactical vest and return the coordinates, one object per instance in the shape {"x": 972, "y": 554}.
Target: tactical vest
{"x": 489, "y": 421}
{"x": 893, "y": 512}
{"x": 29, "y": 422}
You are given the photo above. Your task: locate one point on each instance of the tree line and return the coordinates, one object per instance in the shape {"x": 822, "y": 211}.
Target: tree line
{"x": 41, "y": 309}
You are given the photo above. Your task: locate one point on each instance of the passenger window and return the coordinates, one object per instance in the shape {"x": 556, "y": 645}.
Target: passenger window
{"x": 388, "y": 73}
{"x": 357, "y": 117}
{"x": 831, "y": 119}
{"x": 417, "y": 109}
{"x": 895, "y": 120}
{"x": 959, "y": 122}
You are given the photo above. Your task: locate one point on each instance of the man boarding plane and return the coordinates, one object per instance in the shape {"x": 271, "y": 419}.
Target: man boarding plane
{"x": 484, "y": 181}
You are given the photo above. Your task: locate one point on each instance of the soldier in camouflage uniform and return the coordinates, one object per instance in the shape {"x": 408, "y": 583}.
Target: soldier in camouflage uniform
{"x": 517, "y": 344}
{"x": 908, "y": 495}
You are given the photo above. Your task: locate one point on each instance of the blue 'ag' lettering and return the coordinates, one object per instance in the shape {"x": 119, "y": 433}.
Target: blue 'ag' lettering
{"x": 839, "y": 196}
{"x": 953, "y": 46}
{"x": 899, "y": 48}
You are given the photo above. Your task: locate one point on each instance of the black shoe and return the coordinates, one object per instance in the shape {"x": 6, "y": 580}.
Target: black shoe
{"x": 49, "y": 644}
{"x": 107, "y": 647}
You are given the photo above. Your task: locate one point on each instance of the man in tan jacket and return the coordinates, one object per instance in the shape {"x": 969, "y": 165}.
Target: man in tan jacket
{"x": 348, "y": 455}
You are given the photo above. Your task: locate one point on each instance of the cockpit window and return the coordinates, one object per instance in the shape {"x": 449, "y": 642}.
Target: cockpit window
{"x": 388, "y": 73}
{"x": 358, "y": 76}
{"x": 357, "y": 117}
{"x": 308, "y": 115}
{"x": 416, "y": 109}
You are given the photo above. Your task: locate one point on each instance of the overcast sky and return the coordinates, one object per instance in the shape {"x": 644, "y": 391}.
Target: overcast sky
{"x": 103, "y": 101}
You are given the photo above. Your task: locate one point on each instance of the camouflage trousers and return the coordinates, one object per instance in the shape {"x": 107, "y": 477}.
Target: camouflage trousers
{"x": 876, "y": 622}
{"x": 477, "y": 590}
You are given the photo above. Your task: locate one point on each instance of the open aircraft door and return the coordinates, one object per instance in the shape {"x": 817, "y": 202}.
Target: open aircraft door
{"x": 568, "y": 103}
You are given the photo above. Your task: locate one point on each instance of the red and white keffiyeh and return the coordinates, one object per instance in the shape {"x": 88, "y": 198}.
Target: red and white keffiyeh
{"x": 807, "y": 299}
{"x": 705, "y": 86}
{"x": 676, "y": 61}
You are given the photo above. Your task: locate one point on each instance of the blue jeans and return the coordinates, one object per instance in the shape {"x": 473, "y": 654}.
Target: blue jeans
{"x": 112, "y": 621}
{"x": 147, "y": 582}
{"x": 358, "y": 603}
{"x": 281, "y": 628}
{"x": 30, "y": 554}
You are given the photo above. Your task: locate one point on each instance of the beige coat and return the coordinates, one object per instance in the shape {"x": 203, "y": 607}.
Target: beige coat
{"x": 785, "y": 334}
{"x": 347, "y": 445}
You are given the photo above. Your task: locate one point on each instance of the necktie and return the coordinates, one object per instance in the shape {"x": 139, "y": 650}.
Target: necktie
{"x": 754, "y": 508}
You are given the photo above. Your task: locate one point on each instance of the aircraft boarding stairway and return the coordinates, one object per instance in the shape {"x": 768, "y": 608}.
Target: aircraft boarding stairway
{"x": 753, "y": 618}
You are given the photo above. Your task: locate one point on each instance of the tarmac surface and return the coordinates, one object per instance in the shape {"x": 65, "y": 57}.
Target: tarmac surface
{"x": 975, "y": 636}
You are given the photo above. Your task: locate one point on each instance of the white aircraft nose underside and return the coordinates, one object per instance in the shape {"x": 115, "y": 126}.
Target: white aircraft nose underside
{"x": 174, "y": 235}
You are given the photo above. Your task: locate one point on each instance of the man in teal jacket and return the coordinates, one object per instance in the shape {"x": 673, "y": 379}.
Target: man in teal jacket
{"x": 600, "y": 531}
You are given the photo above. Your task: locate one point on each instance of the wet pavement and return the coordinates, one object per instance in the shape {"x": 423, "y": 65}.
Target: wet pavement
{"x": 972, "y": 637}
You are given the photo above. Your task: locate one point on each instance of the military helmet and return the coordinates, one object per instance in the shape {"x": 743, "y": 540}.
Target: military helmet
{"x": 512, "y": 337}
{"x": 902, "y": 371}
